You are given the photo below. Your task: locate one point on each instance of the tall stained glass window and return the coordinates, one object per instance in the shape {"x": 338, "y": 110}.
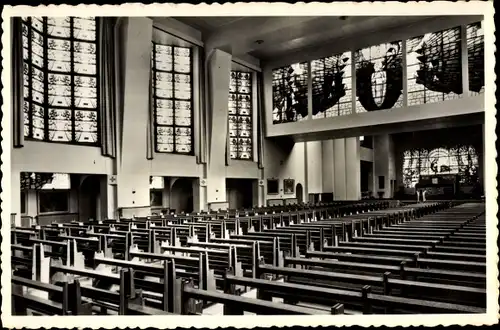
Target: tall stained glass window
{"x": 173, "y": 98}
{"x": 61, "y": 92}
{"x": 240, "y": 115}
{"x": 379, "y": 77}
{"x": 290, "y": 93}
{"x": 331, "y": 86}
{"x": 475, "y": 53}
{"x": 434, "y": 67}
{"x": 461, "y": 160}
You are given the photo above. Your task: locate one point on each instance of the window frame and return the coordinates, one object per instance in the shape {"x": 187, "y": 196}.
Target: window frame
{"x": 71, "y": 73}
{"x": 251, "y": 115}
{"x": 404, "y": 37}
{"x": 154, "y": 98}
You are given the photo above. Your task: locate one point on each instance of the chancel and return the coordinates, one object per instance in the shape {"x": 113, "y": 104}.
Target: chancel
{"x": 248, "y": 165}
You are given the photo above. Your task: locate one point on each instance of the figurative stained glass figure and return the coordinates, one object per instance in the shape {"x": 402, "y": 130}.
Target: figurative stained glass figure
{"x": 290, "y": 102}
{"x": 475, "y": 55}
{"x": 331, "y": 86}
{"x": 379, "y": 77}
{"x": 460, "y": 160}
{"x": 434, "y": 67}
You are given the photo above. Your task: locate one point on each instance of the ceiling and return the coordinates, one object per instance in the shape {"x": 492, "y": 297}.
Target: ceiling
{"x": 269, "y": 37}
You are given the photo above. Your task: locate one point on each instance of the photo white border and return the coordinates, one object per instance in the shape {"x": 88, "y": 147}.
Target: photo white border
{"x": 259, "y": 9}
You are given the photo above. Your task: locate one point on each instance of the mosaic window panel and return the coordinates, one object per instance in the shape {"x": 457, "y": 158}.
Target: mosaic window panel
{"x": 460, "y": 160}
{"x": 290, "y": 85}
{"x": 475, "y": 54}
{"x": 331, "y": 86}
{"x": 379, "y": 77}
{"x": 240, "y": 115}
{"x": 434, "y": 67}
{"x": 61, "y": 93}
{"x": 172, "y": 94}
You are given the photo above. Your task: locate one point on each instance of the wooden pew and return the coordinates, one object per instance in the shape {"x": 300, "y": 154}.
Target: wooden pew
{"x": 352, "y": 299}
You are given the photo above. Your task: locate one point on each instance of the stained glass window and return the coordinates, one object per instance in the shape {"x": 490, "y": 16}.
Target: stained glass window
{"x": 475, "y": 53}
{"x": 379, "y": 77}
{"x": 240, "y": 115}
{"x": 60, "y": 79}
{"x": 331, "y": 86}
{"x": 434, "y": 67}
{"x": 290, "y": 84}
{"x": 172, "y": 94}
{"x": 461, "y": 160}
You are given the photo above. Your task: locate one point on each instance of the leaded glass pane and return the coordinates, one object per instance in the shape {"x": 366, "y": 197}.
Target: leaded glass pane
{"x": 59, "y": 60}
{"x": 434, "y": 67}
{"x": 59, "y": 31}
{"x": 86, "y": 126}
{"x": 182, "y": 60}
{"x": 182, "y": 86}
{"x": 379, "y": 77}
{"x": 38, "y": 121}
{"x": 233, "y": 103}
{"x": 164, "y": 112}
{"x": 331, "y": 83}
{"x": 290, "y": 93}
{"x": 183, "y": 117}
{"x": 475, "y": 53}
{"x": 37, "y": 23}
{"x": 240, "y": 115}
{"x": 84, "y": 29}
{"x": 60, "y": 125}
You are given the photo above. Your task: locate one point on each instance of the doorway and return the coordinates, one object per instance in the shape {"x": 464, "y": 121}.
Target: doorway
{"x": 299, "y": 193}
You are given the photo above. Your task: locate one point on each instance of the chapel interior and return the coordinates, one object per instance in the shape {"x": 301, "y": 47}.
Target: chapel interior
{"x": 247, "y": 150}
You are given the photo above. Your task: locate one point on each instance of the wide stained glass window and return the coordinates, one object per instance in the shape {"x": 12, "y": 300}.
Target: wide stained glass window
{"x": 379, "y": 77}
{"x": 475, "y": 53}
{"x": 290, "y": 84}
{"x": 60, "y": 79}
{"x": 240, "y": 115}
{"x": 434, "y": 67}
{"x": 331, "y": 86}
{"x": 460, "y": 160}
{"x": 173, "y": 98}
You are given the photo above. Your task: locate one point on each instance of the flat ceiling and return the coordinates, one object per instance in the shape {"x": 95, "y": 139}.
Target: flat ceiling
{"x": 271, "y": 37}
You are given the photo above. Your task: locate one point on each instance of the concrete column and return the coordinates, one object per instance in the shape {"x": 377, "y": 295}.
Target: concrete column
{"x": 199, "y": 196}
{"x": 107, "y": 199}
{"x": 219, "y": 69}
{"x": 383, "y": 164}
{"x": 353, "y": 168}
{"x": 339, "y": 170}
{"x": 314, "y": 167}
{"x": 328, "y": 166}
{"x": 133, "y": 167}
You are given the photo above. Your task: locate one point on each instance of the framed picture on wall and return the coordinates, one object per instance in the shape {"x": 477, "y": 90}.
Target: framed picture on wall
{"x": 288, "y": 186}
{"x": 272, "y": 186}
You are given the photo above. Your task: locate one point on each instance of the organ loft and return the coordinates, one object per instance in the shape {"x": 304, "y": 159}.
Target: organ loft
{"x": 247, "y": 165}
